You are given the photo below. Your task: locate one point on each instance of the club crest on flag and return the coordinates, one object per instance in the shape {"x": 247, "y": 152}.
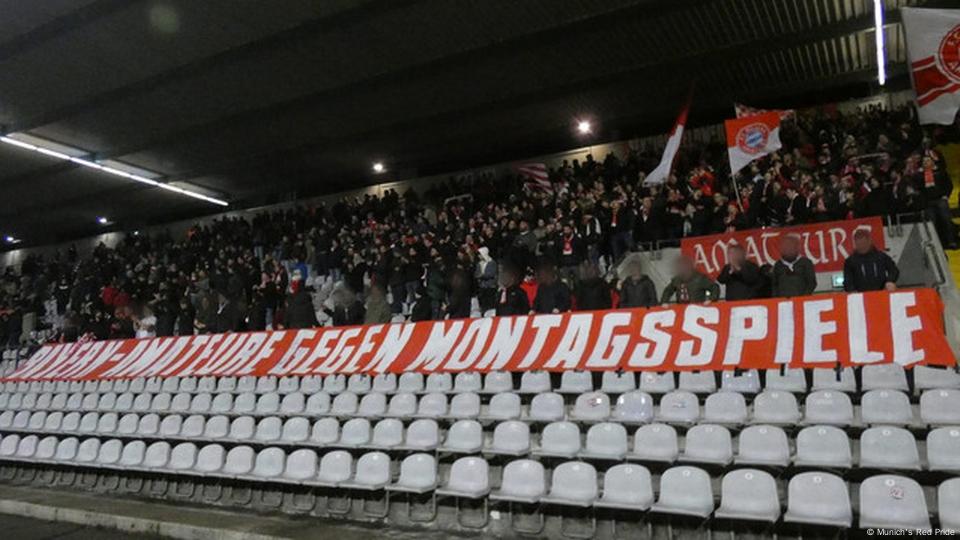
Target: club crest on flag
{"x": 933, "y": 46}
{"x": 948, "y": 55}
{"x": 753, "y": 138}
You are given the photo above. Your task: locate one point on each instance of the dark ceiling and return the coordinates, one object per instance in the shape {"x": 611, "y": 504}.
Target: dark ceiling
{"x": 258, "y": 100}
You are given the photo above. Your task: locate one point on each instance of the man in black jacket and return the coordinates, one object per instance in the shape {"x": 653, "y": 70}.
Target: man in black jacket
{"x": 300, "y": 312}
{"x": 742, "y": 277}
{"x": 553, "y": 296}
{"x": 637, "y": 290}
{"x": 793, "y": 274}
{"x": 867, "y": 268}
{"x": 512, "y": 299}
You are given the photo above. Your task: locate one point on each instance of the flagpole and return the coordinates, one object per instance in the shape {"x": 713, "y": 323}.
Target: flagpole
{"x": 736, "y": 190}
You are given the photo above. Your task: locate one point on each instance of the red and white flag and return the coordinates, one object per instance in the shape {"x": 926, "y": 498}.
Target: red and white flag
{"x": 538, "y": 176}
{"x": 933, "y": 47}
{"x": 744, "y": 110}
{"x": 752, "y": 137}
{"x": 660, "y": 174}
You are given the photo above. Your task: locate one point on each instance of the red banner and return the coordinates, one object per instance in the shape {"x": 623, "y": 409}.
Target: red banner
{"x": 827, "y": 245}
{"x": 905, "y": 327}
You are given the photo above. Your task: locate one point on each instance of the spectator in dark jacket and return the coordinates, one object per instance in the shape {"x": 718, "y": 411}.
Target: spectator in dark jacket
{"x": 229, "y": 316}
{"x": 689, "y": 285}
{"x": 300, "y": 312}
{"x": 793, "y": 274}
{"x": 422, "y": 310}
{"x": 867, "y": 268}
{"x": 347, "y": 309}
{"x": 593, "y": 292}
{"x": 512, "y": 300}
{"x": 637, "y": 290}
{"x": 742, "y": 277}
{"x": 553, "y": 296}
{"x": 571, "y": 251}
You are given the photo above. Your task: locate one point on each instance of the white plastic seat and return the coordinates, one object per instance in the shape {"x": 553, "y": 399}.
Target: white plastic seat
{"x": 464, "y": 405}
{"x": 883, "y": 377}
{"x": 210, "y": 459}
{"x": 573, "y": 483}
{"x": 171, "y": 385}
{"x": 269, "y": 464}
{"x": 107, "y": 402}
{"x": 27, "y": 448}
{"x": 183, "y": 457}
{"x": 522, "y": 481}
{"x": 206, "y": 385}
{"x": 201, "y": 403}
{"x": 318, "y": 404}
{"x": 156, "y": 456}
{"x": 467, "y": 381}
{"x": 344, "y": 403}
{"x": 410, "y": 382}
{"x": 613, "y": 382}
{"x": 698, "y": 382}
{"x": 504, "y": 406}
{"x": 359, "y": 383}
{"x": 268, "y": 429}
{"x": 292, "y": 403}
{"x": 88, "y": 451}
{"x": 149, "y": 424}
{"x": 239, "y": 462}
{"x": 829, "y": 407}
{"x": 940, "y": 407}
{"x": 826, "y": 379}
{"x": 679, "y": 407}
{"x": 217, "y": 427}
{"x": 655, "y": 442}
{"x": 468, "y": 478}
{"x": 137, "y": 385}
{"x": 6, "y": 419}
{"x": 74, "y": 402}
{"x": 591, "y": 407}
{"x": 439, "y": 382}
{"x": 372, "y": 405}
{"x": 242, "y": 428}
{"x": 355, "y": 433}
{"x": 372, "y": 472}
{"x": 89, "y": 403}
{"x": 295, "y": 430}
{"x": 633, "y": 407}
{"x": 288, "y": 385}
{"x": 892, "y": 502}
{"x": 66, "y": 448}
{"x": 88, "y": 424}
{"x": 496, "y": 382}
{"x": 463, "y": 437}
{"x": 948, "y": 497}
{"x": 107, "y": 424}
{"x": 546, "y": 407}
{"x": 161, "y": 402}
{"x": 685, "y": 491}
{"x": 325, "y": 431}
{"x": 141, "y": 403}
{"x": 385, "y": 383}
{"x": 222, "y": 404}
{"x": 823, "y": 446}
{"x": 336, "y": 467}
{"x": 535, "y": 382}
{"x": 749, "y": 494}
{"x": 334, "y": 384}
{"x": 511, "y": 438}
{"x": 626, "y": 487}
{"x": 423, "y": 434}
{"x": 247, "y": 384}
{"x": 418, "y": 474}
{"x": 888, "y": 407}
{"x": 402, "y": 405}
{"x": 300, "y": 466}
{"x": 311, "y": 384}
{"x": 575, "y": 382}
{"x": 180, "y": 402}
{"x": 46, "y": 449}
{"x": 777, "y": 407}
{"x": 37, "y": 421}
{"x": 53, "y": 422}
{"x": 818, "y": 498}
{"x": 171, "y": 425}
{"x": 708, "y": 443}
{"x": 193, "y": 427}
{"x": 559, "y": 439}
{"x": 607, "y": 440}
{"x": 266, "y": 385}
{"x": 245, "y": 403}
{"x": 727, "y": 408}
{"x": 71, "y": 422}
{"x": 930, "y": 377}
{"x": 387, "y": 434}
{"x": 747, "y": 382}
{"x": 943, "y": 449}
{"x": 268, "y": 404}
{"x": 889, "y": 448}
{"x": 432, "y": 405}
{"x": 763, "y": 445}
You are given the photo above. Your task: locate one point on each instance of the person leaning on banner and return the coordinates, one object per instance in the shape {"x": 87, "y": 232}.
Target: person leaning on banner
{"x": 742, "y": 277}
{"x": 688, "y": 285}
{"x": 793, "y": 274}
{"x": 512, "y": 300}
{"x": 553, "y": 295}
{"x": 867, "y": 268}
{"x": 637, "y": 290}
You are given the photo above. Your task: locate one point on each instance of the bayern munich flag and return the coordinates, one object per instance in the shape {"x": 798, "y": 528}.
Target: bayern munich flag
{"x": 752, "y": 137}
{"x": 933, "y": 46}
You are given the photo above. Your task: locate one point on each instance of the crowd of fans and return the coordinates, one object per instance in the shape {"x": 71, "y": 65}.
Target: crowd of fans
{"x": 494, "y": 244}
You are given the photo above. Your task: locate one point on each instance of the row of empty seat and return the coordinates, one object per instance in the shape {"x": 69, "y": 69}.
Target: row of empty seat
{"x": 883, "y": 447}
{"x": 873, "y": 377}
{"x": 878, "y": 407}
{"x": 818, "y": 498}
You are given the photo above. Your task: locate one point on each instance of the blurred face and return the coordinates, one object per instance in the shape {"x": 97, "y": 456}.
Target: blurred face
{"x": 684, "y": 267}
{"x": 789, "y": 247}
{"x": 862, "y": 243}
{"x": 737, "y": 255}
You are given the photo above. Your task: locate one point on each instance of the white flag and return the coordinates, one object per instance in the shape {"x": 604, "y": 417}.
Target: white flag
{"x": 933, "y": 47}
{"x": 660, "y": 174}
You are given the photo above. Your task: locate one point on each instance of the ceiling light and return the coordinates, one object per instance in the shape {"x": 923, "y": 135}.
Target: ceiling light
{"x": 878, "y": 34}
{"x": 55, "y": 151}
{"x": 11, "y": 240}
{"x": 103, "y": 220}
{"x": 378, "y": 167}
{"x": 583, "y": 126}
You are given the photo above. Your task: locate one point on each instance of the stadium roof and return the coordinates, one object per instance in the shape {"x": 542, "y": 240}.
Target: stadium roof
{"x": 253, "y": 101}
